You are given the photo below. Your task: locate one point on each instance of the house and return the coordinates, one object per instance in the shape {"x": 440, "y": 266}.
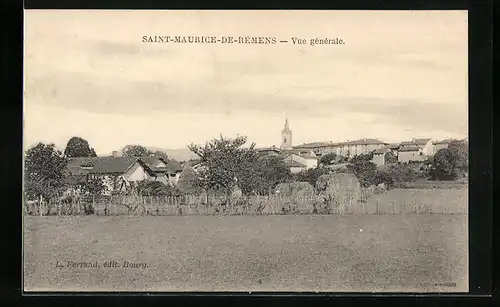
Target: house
{"x": 379, "y": 155}
{"x": 441, "y": 145}
{"x": 158, "y": 168}
{"x": 167, "y": 172}
{"x": 174, "y": 170}
{"x": 295, "y": 166}
{"x": 270, "y": 151}
{"x": 359, "y": 147}
{"x": 409, "y": 153}
{"x": 394, "y": 148}
{"x": 307, "y": 161}
{"x": 117, "y": 173}
{"x": 425, "y": 144}
{"x": 318, "y": 148}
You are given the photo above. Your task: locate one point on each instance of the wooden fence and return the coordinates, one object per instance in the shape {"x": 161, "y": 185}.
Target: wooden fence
{"x": 254, "y": 205}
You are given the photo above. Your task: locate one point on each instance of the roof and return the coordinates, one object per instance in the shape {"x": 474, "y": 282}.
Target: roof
{"x": 422, "y": 141}
{"x": 268, "y": 149}
{"x": 314, "y": 145}
{"x": 302, "y": 156}
{"x": 151, "y": 161}
{"x": 443, "y": 142}
{"x": 365, "y": 141}
{"x": 409, "y": 148}
{"x": 292, "y": 163}
{"x": 173, "y": 166}
{"x": 393, "y": 146}
{"x": 100, "y": 165}
{"x": 382, "y": 150}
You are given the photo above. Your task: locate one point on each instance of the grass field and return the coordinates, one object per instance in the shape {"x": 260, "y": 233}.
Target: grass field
{"x": 426, "y": 252}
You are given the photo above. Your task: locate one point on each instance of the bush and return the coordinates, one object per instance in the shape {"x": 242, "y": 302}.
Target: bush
{"x": 156, "y": 188}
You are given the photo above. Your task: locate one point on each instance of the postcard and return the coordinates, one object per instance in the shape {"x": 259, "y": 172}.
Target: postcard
{"x": 245, "y": 151}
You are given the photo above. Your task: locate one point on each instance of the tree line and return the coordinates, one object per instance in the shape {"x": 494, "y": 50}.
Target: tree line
{"x": 229, "y": 167}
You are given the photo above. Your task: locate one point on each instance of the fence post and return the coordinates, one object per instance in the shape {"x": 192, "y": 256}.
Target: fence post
{"x": 41, "y": 202}
{"x": 377, "y": 208}
{"x": 393, "y": 207}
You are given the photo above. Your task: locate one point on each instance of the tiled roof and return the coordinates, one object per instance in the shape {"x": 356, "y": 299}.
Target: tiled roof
{"x": 174, "y": 166}
{"x": 268, "y": 149}
{"x": 152, "y": 161}
{"x": 292, "y": 163}
{"x": 394, "y": 146}
{"x": 409, "y": 148}
{"x": 422, "y": 141}
{"x": 100, "y": 165}
{"x": 381, "y": 150}
{"x": 363, "y": 142}
{"x": 314, "y": 145}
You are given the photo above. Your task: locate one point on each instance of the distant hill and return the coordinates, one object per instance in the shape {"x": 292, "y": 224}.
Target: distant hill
{"x": 179, "y": 154}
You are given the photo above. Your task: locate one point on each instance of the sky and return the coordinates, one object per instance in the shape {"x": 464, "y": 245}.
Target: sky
{"x": 399, "y": 75}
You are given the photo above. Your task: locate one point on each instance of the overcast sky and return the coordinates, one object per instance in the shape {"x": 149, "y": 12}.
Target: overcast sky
{"x": 399, "y": 75}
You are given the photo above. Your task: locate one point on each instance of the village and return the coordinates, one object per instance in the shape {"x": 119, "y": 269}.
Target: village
{"x": 119, "y": 172}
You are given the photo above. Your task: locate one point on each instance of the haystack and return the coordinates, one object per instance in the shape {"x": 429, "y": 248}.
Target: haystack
{"x": 339, "y": 189}
{"x": 296, "y": 197}
{"x": 295, "y": 189}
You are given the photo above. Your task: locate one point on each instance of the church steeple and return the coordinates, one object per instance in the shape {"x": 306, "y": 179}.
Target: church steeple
{"x": 287, "y": 127}
{"x": 286, "y": 136}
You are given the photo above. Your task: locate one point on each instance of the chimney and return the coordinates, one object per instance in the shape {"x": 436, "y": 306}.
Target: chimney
{"x": 114, "y": 153}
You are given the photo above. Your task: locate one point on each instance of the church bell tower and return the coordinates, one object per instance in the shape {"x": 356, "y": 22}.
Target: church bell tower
{"x": 286, "y": 137}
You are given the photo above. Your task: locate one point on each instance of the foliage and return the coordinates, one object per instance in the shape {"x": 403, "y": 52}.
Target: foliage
{"x": 78, "y": 147}
{"x": 161, "y": 154}
{"x": 189, "y": 183}
{"x": 364, "y": 169}
{"x": 91, "y": 185}
{"x": 155, "y": 188}
{"x": 271, "y": 171}
{"x": 390, "y": 158}
{"x": 450, "y": 163}
{"x": 394, "y": 175}
{"x": 44, "y": 170}
{"x": 136, "y": 151}
{"x": 226, "y": 165}
{"x": 311, "y": 175}
{"x": 328, "y": 159}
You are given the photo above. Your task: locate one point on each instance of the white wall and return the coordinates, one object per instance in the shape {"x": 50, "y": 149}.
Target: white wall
{"x": 406, "y": 156}
{"x": 379, "y": 159}
{"x": 136, "y": 173}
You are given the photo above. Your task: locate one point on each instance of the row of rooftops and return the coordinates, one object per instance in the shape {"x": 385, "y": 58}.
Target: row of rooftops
{"x": 371, "y": 141}
{"x": 116, "y": 165}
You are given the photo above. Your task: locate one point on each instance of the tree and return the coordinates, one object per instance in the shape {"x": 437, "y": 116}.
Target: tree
{"x": 450, "y": 163}
{"x": 78, "y": 147}
{"x": 328, "y": 159}
{"x": 364, "y": 169}
{"x": 226, "y": 165}
{"x": 311, "y": 175}
{"x": 44, "y": 171}
{"x": 272, "y": 171}
{"x": 136, "y": 151}
{"x": 161, "y": 154}
{"x": 390, "y": 158}
{"x": 189, "y": 183}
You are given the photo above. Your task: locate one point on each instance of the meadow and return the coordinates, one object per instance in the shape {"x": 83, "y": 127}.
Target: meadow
{"x": 356, "y": 252}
